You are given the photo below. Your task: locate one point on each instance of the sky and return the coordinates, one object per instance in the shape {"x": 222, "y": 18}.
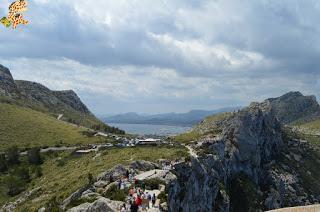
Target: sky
{"x": 154, "y": 56}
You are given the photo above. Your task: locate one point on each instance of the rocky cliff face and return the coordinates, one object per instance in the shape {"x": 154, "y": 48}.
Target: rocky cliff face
{"x": 7, "y": 85}
{"x": 239, "y": 168}
{"x": 51, "y": 99}
{"x": 70, "y": 98}
{"x": 295, "y": 107}
{"x": 249, "y": 139}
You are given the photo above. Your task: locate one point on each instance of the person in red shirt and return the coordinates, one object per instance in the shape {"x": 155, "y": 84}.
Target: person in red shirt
{"x": 138, "y": 200}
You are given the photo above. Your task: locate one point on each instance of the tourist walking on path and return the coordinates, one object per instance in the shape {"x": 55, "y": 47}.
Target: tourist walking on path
{"x": 133, "y": 207}
{"x": 123, "y": 208}
{"x": 153, "y": 199}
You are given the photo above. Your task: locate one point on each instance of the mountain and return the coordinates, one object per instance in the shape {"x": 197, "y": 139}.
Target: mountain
{"x": 250, "y": 160}
{"x": 31, "y": 115}
{"x": 294, "y": 107}
{"x": 40, "y": 98}
{"x": 183, "y": 119}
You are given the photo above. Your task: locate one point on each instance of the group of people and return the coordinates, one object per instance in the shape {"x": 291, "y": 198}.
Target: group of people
{"x": 138, "y": 197}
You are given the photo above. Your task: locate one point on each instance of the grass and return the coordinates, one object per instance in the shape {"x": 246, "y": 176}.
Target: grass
{"x": 61, "y": 181}
{"x": 313, "y": 125}
{"x": 27, "y": 128}
{"x": 210, "y": 126}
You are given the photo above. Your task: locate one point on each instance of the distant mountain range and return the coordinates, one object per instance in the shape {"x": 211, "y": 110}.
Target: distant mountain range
{"x": 182, "y": 119}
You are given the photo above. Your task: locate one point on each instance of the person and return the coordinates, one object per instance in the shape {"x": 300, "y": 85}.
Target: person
{"x": 119, "y": 184}
{"x": 149, "y": 196}
{"x": 111, "y": 179}
{"x": 138, "y": 200}
{"x": 123, "y": 208}
{"x": 153, "y": 199}
{"x": 133, "y": 207}
{"x": 127, "y": 174}
{"x": 131, "y": 192}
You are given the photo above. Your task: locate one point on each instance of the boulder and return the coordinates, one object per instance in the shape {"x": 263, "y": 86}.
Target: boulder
{"x": 143, "y": 165}
{"x": 116, "y": 172}
{"x": 100, "y": 205}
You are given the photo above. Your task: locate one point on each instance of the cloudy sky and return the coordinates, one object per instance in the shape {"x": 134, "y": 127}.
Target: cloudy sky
{"x": 162, "y": 55}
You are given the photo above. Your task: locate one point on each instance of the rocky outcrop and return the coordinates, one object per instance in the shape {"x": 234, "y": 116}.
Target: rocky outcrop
{"x": 249, "y": 140}
{"x": 294, "y": 106}
{"x": 71, "y": 99}
{"x": 51, "y": 99}
{"x": 100, "y": 205}
{"x": 7, "y": 85}
{"x": 143, "y": 165}
{"x": 116, "y": 173}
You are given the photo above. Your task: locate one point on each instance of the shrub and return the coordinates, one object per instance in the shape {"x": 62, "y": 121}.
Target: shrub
{"x": 52, "y": 205}
{"x": 61, "y": 162}
{"x": 114, "y": 193}
{"x": 22, "y": 173}
{"x": 34, "y": 156}
{"x": 38, "y": 171}
{"x": 152, "y": 184}
{"x": 163, "y": 197}
{"x": 14, "y": 185}
{"x": 3, "y": 163}
{"x": 13, "y": 155}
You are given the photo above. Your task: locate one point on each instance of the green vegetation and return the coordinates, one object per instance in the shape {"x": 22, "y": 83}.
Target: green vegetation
{"x": 210, "y": 126}
{"x": 114, "y": 193}
{"x": 152, "y": 184}
{"x": 313, "y": 125}
{"x": 163, "y": 197}
{"x": 58, "y": 182}
{"x": 27, "y": 128}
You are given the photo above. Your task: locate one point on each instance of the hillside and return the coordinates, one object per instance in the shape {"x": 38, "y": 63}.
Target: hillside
{"x": 182, "y": 119}
{"x": 64, "y": 104}
{"x": 27, "y": 128}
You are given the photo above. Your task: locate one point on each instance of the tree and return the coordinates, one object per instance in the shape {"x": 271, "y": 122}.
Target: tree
{"x": 13, "y": 155}
{"x": 3, "y": 163}
{"x": 38, "y": 171}
{"x": 13, "y": 184}
{"x": 90, "y": 178}
{"x": 34, "y": 156}
{"x": 22, "y": 173}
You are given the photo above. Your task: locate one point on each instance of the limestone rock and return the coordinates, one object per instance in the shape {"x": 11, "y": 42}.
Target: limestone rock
{"x": 143, "y": 165}
{"x": 116, "y": 172}
{"x": 100, "y": 205}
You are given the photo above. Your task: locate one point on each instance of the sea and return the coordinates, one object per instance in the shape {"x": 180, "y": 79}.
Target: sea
{"x": 151, "y": 129}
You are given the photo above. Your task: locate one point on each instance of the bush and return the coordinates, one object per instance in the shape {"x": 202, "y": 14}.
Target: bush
{"x": 114, "y": 193}
{"x": 90, "y": 178}
{"x": 38, "y": 171}
{"x": 34, "y": 156}
{"x": 163, "y": 197}
{"x": 52, "y": 205}
{"x": 14, "y": 185}
{"x": 61, "y": 162}
{"x": 152, "y": 184}
{"x": 22, "y": 173}
{"x": 13, "y": 155}
{"x": 3, "y": 163}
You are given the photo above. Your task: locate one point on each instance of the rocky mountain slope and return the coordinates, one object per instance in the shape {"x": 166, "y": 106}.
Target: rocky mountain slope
{"x": 248, "y": 160}
{"x": 38, "y": 97}
{"x": 294, "y": 107}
